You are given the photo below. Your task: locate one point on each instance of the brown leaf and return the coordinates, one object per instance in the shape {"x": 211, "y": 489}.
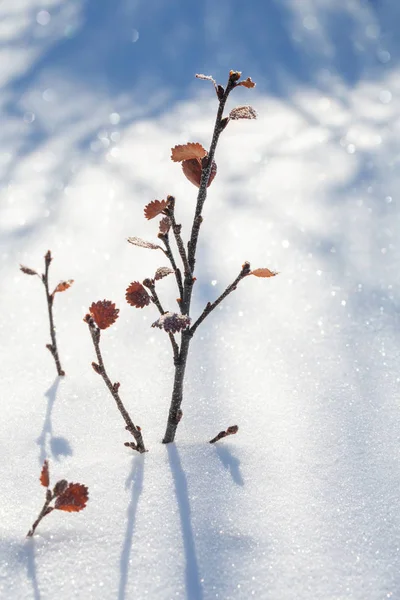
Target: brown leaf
{"x": 63, "y": 285}
{"x": 172, "y": 322}
{"x": 104, "y": 313}
{"x": 187, "y": 152}
{"x": 27, "y": 270}
{"x": 137, "y": 296}
{"x": 243, "y": 112}
{"x": 264, "y": 272}
{"x": 73, "y": 499}
{"x": 162, "y": 272}
{"x": 192, "y": 171}
{"x": 143, "y": 243}
{"x": 165, "y": 225}
{"x": 248, "y": 83}
{"x": 45, "y": 475}
{"x": 60, "y": 487}
{"x": 154, "y": 208}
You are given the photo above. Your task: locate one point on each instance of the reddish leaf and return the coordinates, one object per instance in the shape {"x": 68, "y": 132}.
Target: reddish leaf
{"x": 137, "y": 296}
{"x": 188, "y": 152}
{"x": 154, "y": 208}
{"x": 243, "y": 112}
{"x": 248, "y": 83}
{"x": 104, "y": 313}
{"x": 172, "y": 322}
{"x": 73, "y": 499}
{"x": 27, "y": 270}
{"x": 63, "y": 285}
{"x": 165, "y": 225}
{"x": 143, "y": 243}
{"x": 45, "y": 475}
{"x": 192, "y": 171}
{"x": 264, "y": 273}
{"x": 162, "y": 272}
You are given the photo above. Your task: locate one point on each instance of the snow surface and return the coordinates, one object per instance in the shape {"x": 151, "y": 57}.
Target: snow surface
{"x": 304, "y": 501}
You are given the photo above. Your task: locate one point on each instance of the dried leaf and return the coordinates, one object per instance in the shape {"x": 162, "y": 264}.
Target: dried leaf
{"x": 45, "y": 475}
{"x": 248, "y": 83}
{"x": 63, "y": 285}
{"x": 172, "y": 322}
{"x": 165, "y": 225}
{"x": 27, "y": 270}
{"x": 73, "y": 499}
{"x": 104, "y": 313}
{"x": 187, "y": 152}
{"x": 60, "y": 487}
{"x": 143, "y": 243}
{"x": 264, "y": 273}
{"x": 154, "y": 208}
{"x": 243, "y": 112}
{"x": 163, "y": 272}
{"x": 192, "y": 170}
{"x": 207, "y": 77}
{"x": 137, "y": 296}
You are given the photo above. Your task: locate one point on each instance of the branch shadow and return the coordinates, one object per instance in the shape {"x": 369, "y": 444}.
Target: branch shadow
{"x": 27, "y": 556}
{"x": 230, "y": 462}
{"x": 135, "y": 482}
{"x": 194, "y": 589}
{"x": 58, "y": 446}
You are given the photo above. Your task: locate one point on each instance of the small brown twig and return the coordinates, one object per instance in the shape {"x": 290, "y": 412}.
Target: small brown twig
{"x": 246, "y": 270}
{"x": 170, "y": 211}
{"x": 99, "y": 368}
{"x": 230, "y": 431}
{"x": 50, "y": 299}
{"x": 45, "y": 511}
{"x": 150, "y": 284}
{"x": 168, "y": 252}
{"x": 61, "y": 287}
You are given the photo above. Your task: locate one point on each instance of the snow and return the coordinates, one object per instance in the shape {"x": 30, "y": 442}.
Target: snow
{"x": 302, "y": 502}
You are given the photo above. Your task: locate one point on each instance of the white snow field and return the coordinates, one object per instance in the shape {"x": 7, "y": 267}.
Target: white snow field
{"x": 304, "y": 502}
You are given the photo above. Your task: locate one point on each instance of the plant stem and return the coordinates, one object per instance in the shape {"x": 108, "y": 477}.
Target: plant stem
{"x": 154, "y": 296}
{"x": 211, "y": 305}
{"x": 170, "y": 256}
{"x": 50, "y": 299}
{"x": 113, "y": 388}
{"x": 45, "y": 511}
{"x": 175, "y": 412}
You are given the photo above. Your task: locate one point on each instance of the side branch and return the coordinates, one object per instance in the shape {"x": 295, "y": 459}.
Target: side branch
{"x": 50, "y": 299}
{"x": 177, "y": 233}
{"x": 246, "y": 270}
{"x": 149, "y": 283}
{"x": 168, "y": 252}
{"x": 134, "y": 430}
{"x": 205, "y": 175}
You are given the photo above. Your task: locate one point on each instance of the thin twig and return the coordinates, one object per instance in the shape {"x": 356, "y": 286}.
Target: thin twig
{"x": 113, "y": 388}
{"x": 211, "y": 305}
{"x": 45, "y": 511}
{"x": 50, "y": 299}
{"x": 149, "y": 283}
{"x": 168, "y": 252}
{"x": 230, "y": 431}
{"x": 176, "y": 228}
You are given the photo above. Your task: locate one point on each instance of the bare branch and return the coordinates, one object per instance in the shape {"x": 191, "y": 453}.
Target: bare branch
{"x": 134, "y": 430}
{"x": 211, "y": 305}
